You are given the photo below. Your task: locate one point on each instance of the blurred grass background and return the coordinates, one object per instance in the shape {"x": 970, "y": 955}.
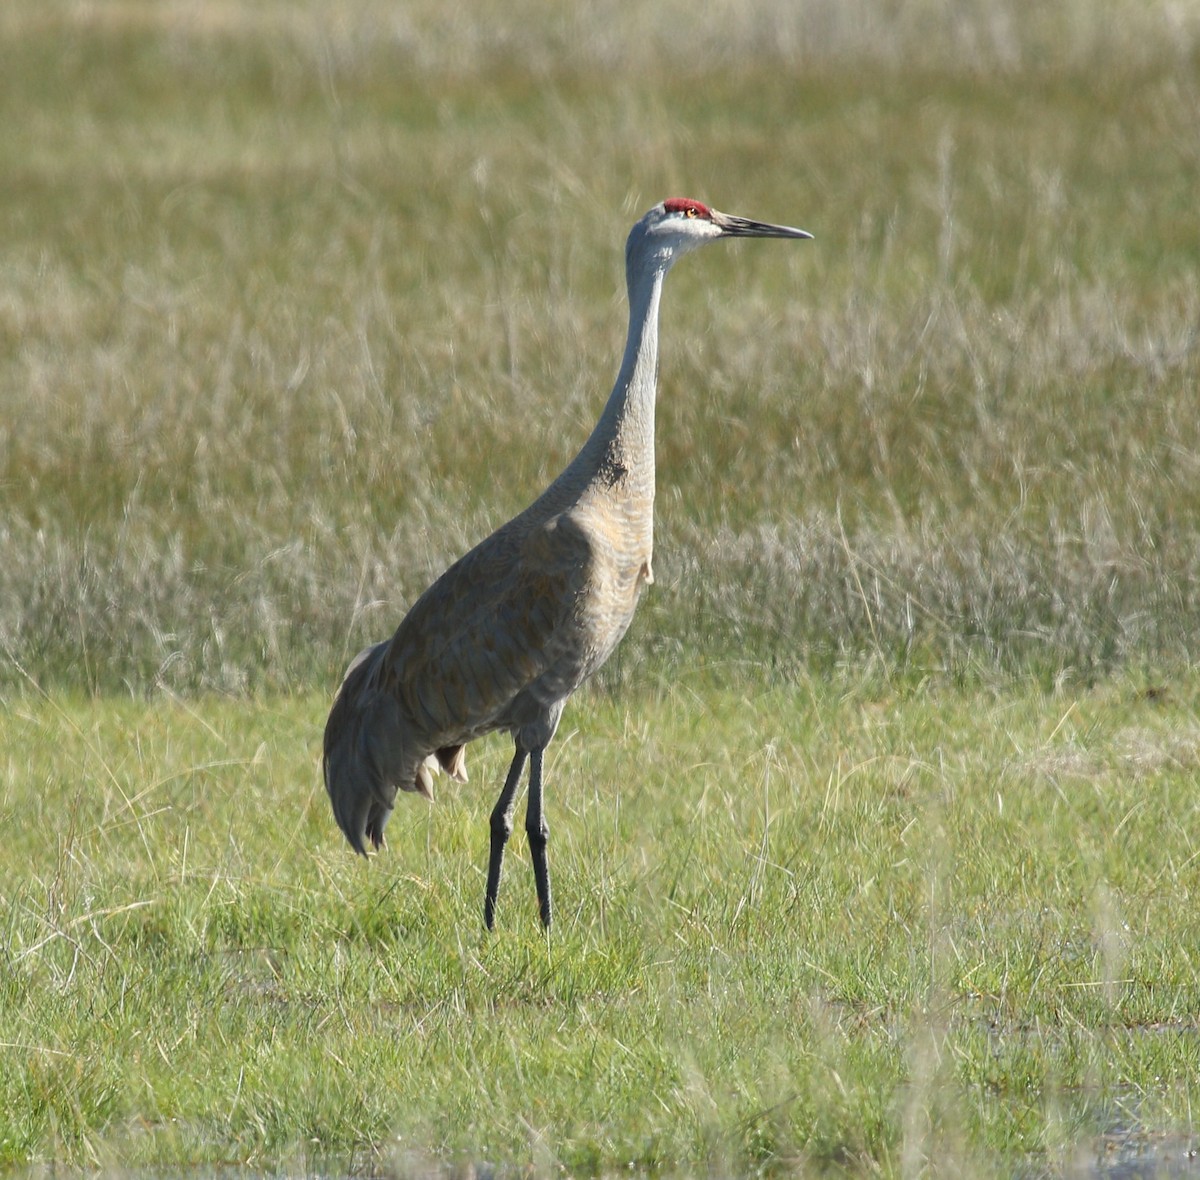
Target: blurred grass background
{"x": 298, "y": 301}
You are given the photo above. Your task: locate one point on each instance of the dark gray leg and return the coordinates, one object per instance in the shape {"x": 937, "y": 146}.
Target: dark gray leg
{"x": 501, "y": 823}
{"x": 539, "y": 835}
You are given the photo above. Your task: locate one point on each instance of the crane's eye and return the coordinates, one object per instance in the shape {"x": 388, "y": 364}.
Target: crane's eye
{"x": 690, "y": 211}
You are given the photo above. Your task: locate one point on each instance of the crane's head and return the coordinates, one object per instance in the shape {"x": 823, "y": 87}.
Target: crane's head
{"x": 675, "y": 226}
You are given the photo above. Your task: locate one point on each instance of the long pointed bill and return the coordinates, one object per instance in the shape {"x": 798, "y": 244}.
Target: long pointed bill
{"x": 743, "y": 227}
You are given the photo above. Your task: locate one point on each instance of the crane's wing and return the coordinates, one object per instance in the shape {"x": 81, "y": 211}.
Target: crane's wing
{"x": 497, "y": 624}
{"x": 490, "y": 644}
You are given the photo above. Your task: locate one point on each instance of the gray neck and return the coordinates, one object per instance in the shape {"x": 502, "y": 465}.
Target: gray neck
{"x": 621, "y": 447}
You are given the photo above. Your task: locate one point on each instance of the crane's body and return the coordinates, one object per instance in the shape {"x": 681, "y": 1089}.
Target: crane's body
{"x": 503, "y": 638}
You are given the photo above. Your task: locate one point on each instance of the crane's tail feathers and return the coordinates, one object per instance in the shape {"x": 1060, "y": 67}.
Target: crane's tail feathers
{"x": 361, "y": 816}
{"x": 368, "y": 755}
{"x": 364, "y": 754}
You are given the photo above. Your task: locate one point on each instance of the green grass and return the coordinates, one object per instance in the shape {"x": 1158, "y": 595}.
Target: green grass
{"x": 874, "y": 847}
{"x": 826, "y": 925}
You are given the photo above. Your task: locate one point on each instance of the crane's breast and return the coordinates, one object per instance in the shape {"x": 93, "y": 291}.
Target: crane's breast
{"x": 619, "y": 556}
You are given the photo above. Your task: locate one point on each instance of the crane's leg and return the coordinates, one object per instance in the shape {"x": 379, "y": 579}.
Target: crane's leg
{"x": 539, "y": 835}
{"x": 501, "y": 830}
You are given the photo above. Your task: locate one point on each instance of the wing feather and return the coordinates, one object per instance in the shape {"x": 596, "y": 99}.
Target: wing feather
{"x": 493, "y": 624}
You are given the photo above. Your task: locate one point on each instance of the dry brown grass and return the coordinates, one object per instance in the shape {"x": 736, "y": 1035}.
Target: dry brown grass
{"x": 298, "y": 301}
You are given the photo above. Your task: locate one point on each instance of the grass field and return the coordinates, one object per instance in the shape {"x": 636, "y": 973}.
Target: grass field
{"x": 875, "y": 846}
{"x": 805, "y": 927}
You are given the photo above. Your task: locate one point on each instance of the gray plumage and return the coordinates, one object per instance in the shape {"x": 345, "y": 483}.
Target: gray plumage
{"x": 511, "y": 630}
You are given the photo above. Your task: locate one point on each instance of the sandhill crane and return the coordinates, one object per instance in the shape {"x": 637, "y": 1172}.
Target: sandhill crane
{"x": 511, "y": 630}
